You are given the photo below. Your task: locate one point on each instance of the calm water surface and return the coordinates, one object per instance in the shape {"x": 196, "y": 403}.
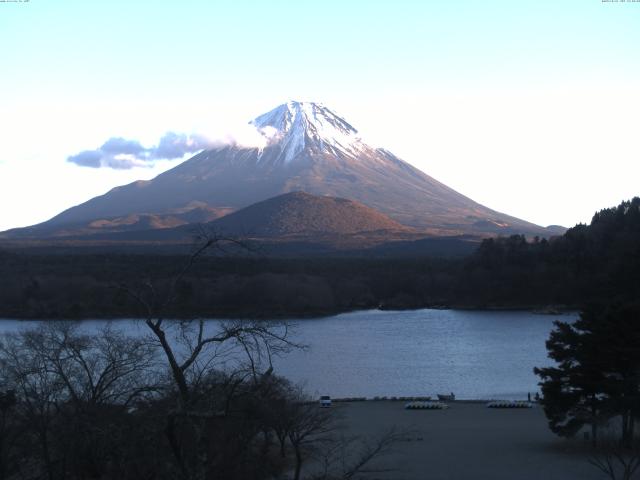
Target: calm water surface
{"x": 475, "y": 354}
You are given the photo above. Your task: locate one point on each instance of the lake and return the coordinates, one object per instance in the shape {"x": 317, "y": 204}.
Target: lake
{"x": 474, "y": 354}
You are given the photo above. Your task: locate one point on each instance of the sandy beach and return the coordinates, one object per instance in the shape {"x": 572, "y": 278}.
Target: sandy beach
{"x": 470, "y": 441}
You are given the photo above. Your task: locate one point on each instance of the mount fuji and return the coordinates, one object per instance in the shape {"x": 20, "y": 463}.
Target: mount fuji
{"x": 307, "y": 148}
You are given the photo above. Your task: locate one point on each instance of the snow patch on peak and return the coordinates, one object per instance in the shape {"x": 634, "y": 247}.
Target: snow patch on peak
{"x": 302, "y": 125}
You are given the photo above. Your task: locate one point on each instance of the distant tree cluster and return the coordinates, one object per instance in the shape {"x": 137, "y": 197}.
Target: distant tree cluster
{"x": 75, "y": 286}
{"x": 600, "y": 261}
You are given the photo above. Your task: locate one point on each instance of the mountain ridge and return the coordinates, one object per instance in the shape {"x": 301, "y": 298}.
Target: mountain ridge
{"x": 307, "y": 148}
{"x": 291, "y": 222}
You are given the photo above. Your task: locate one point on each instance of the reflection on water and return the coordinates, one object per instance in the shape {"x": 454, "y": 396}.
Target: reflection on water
{"x": 423, "y": 352}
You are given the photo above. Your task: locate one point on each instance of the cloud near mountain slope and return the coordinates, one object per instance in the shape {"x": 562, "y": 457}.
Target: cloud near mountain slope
{"x": 122, "y": 154}
{"x": 297, "y": 146}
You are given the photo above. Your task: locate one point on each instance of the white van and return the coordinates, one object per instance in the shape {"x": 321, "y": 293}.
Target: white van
{"x": 325, "y": 401}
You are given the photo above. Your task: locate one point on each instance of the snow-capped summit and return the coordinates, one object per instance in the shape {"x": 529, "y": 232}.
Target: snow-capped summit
{"x": 296, "y": 126}
{"x": 309, "y": 149}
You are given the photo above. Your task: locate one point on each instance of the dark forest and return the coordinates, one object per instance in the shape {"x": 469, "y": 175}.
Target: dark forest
{"x": 592, "y": 262}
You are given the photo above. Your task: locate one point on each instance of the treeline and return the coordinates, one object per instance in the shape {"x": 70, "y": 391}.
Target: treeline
{"x": 588, "y": 264}
{"x": 600, "y": 260}
{"x": 82, "y": 286}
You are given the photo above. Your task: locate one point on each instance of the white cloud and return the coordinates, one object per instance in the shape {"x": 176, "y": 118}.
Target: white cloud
{"x": 124, "y": 154}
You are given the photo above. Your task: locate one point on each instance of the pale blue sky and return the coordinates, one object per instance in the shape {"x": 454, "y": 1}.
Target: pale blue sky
{"x": 530, "y": 107}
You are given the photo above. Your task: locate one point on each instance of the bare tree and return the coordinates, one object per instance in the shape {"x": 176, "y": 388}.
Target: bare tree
{"x": 71, "y": 389}
{"x": 350, "y": 458}
{"x": 108, "y": 368}
{"x": 309, "y": 426}
{"x": 314, "y": 435}
{"x": 192, "y": 348}
{"x": 188, "y": 346}
{"x": 614, "y": 458}
{"x": 9, "y": 432}
{"x": 39, "y": 391}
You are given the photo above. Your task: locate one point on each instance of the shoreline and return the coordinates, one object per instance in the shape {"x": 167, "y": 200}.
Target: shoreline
{"x": 380, "y": 354}
{"x": 546, "y": 310}
{"x": 396, "y": 399}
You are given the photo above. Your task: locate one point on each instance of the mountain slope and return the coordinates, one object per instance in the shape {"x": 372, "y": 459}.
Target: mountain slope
{"x": 300, "y": 213}
{"x": 294, "y": 222}
{"x": 309, "y": 149}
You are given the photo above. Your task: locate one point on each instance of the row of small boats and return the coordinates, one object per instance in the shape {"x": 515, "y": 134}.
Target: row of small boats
{"x": 432, "y": 405}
